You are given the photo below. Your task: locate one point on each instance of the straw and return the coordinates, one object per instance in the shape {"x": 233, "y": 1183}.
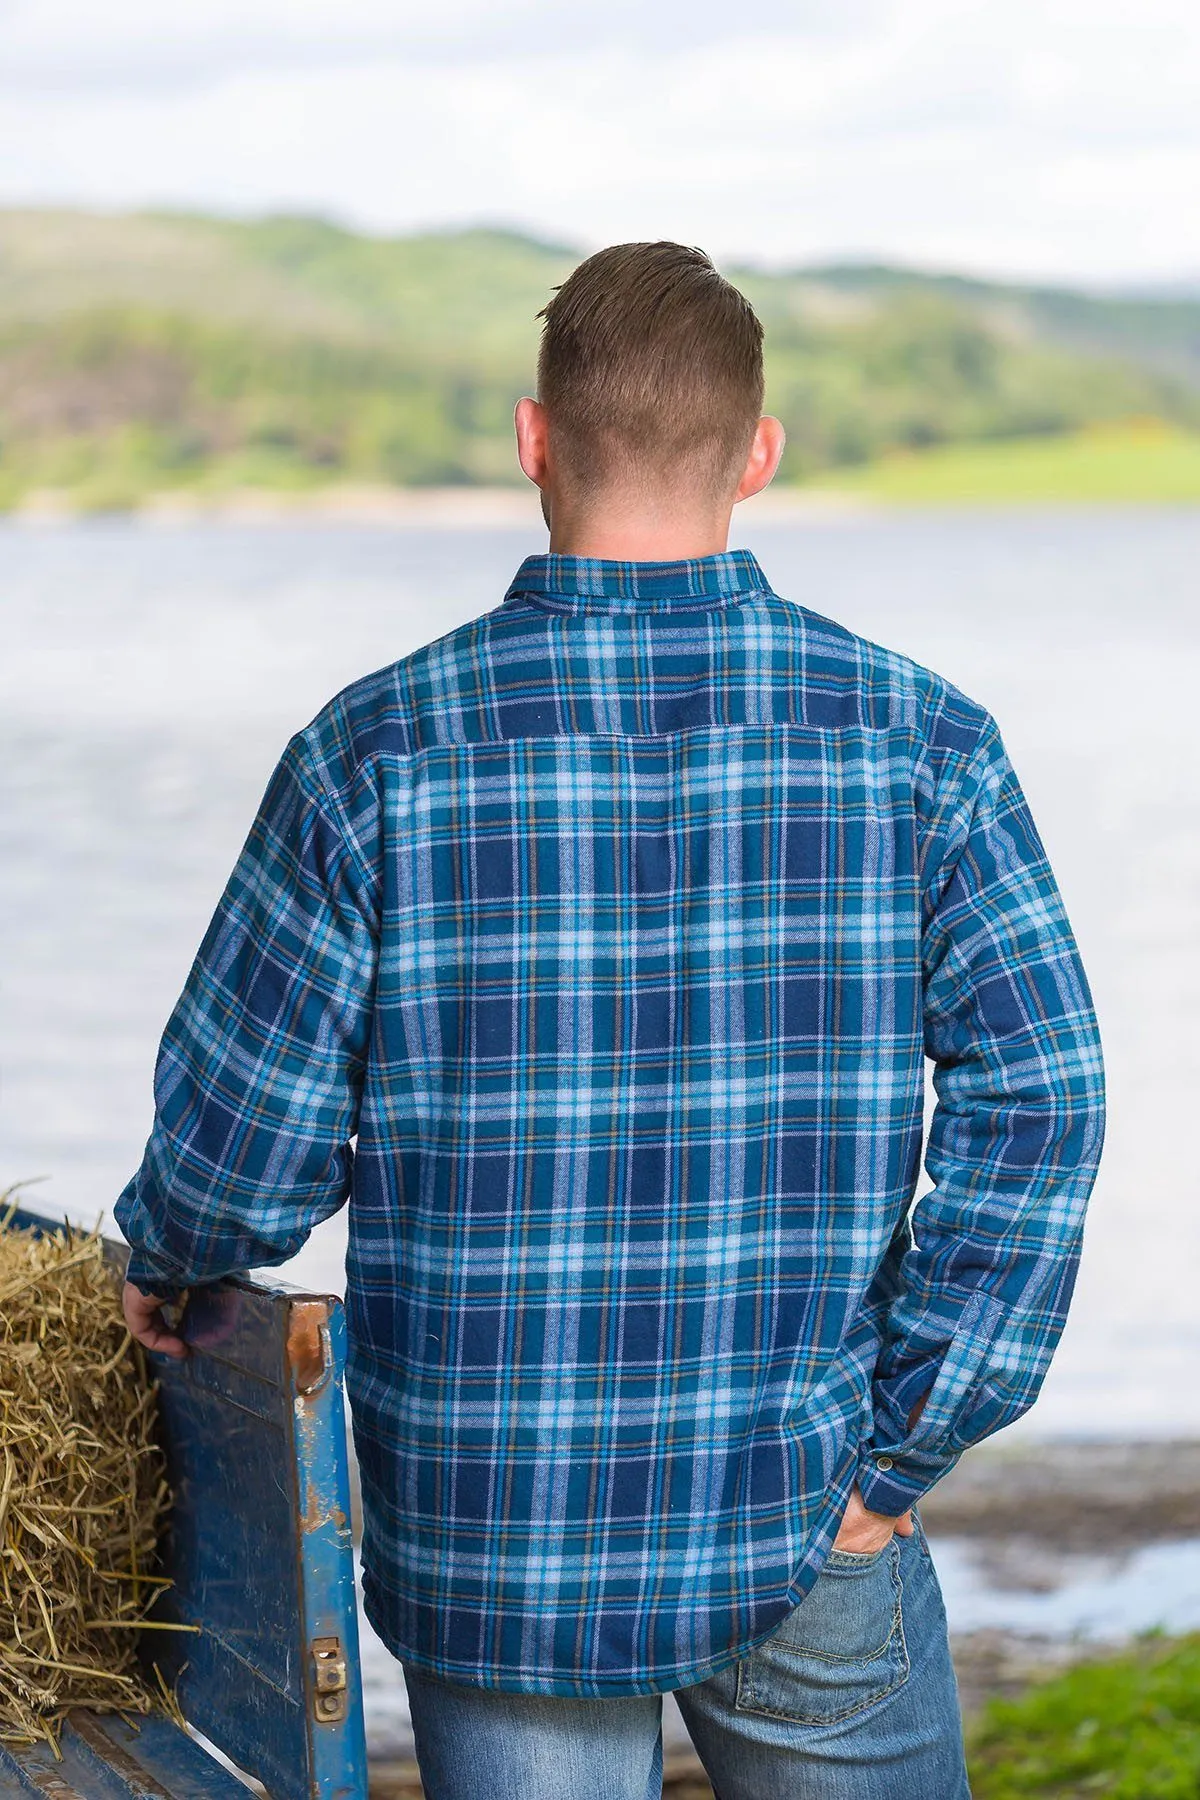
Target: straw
{"x": 83, "y": 1489}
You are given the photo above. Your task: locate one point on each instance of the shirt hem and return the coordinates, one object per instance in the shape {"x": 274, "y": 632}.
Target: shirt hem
{"x": 617, "y": 1686}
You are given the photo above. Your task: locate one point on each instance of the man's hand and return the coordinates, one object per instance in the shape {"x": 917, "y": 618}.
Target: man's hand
{"x": 142, "y": 1317}
{"x": 864, "y": 1531}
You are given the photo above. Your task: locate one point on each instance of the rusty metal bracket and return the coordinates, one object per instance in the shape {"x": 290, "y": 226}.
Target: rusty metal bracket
{"x": 309, "y": 1352}
{"x": 329, "y": 1680}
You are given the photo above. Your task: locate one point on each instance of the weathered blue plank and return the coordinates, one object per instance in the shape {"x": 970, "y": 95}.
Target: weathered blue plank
{"x": 337, "y": 1734}
{"x": 103, "y": 1758}
{"x": 39, "y": 1772}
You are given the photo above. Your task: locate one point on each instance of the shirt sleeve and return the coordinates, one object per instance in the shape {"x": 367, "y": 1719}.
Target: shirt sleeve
{"x": 988, "y": 1259}
{"x": 259, "y": 1073}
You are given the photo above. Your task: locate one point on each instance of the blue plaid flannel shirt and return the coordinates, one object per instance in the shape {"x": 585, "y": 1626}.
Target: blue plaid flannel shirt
{"x": 593, "y": 952}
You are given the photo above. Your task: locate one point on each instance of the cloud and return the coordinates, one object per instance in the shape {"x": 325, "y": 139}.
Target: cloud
{"x": 135, "y": 45}
{"x": 1037, "y": 137}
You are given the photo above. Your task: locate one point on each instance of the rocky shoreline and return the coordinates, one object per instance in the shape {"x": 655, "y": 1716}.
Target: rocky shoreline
{"x": 1029, "y": 1510}
{"x": 1086, "y": 1496}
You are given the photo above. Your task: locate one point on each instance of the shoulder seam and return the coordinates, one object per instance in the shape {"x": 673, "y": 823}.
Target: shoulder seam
{"x": 330, "y": 801}
{"x": 988, "y": 736}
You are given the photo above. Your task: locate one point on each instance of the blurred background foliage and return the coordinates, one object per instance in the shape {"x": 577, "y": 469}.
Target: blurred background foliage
{"x": 145, "y": 353}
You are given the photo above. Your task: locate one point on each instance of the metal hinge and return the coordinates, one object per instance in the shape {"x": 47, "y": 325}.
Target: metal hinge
{"x": 329, "y": 1683}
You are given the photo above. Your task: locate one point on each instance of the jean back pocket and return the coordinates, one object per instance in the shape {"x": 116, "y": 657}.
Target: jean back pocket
{"x": 836, "y": 1653}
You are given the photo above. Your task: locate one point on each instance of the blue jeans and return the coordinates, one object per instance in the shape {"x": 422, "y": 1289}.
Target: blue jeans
{"x": 853, "y": 1697}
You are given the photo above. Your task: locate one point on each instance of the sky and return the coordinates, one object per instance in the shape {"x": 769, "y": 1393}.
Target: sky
{"x": 1055, "y": 139}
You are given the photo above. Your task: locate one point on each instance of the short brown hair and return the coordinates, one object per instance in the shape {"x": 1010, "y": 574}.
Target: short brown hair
{"x": 650, "y": 359}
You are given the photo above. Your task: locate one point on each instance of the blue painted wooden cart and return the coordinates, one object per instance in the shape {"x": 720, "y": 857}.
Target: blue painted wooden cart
{"x": 259, "y": 1548}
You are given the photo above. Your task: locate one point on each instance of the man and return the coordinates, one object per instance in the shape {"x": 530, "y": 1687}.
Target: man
{"x": 612, "y": 930}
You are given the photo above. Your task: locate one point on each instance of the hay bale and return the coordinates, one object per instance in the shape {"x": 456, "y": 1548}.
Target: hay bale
{"x": 82, "y": 1487}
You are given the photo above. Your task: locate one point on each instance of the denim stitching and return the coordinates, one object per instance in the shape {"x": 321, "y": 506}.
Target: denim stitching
{"x": 745, "y": 1698}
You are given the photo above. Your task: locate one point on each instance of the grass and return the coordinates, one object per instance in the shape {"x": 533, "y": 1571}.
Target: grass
{"x": 1127, "y": 1728}
{"x": 1142, "y": 461}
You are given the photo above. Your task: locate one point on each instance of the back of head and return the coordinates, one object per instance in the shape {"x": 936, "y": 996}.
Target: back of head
{"x": 650, "y": 371}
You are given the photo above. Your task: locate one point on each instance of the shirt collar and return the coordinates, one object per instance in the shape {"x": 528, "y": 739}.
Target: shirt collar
{"x": 594, "y": 584}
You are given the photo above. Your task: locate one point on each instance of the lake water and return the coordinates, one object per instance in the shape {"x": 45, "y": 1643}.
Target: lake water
{"x": 151, "y": 674}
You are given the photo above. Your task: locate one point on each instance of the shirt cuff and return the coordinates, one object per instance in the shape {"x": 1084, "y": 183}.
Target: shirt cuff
{"x": 890, "y": 1481}
{"x": 140, "y": 1274}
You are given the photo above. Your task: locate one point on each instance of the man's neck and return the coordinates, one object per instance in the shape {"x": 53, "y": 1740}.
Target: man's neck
{"x": 631, "y": 536}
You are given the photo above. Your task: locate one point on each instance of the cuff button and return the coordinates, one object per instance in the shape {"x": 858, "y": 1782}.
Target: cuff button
{"x": 883, "y": 1462}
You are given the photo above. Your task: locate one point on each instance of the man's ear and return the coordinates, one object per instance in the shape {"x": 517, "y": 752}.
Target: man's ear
{"x": 529, "y": 421}
{"x": 763, "y": 460}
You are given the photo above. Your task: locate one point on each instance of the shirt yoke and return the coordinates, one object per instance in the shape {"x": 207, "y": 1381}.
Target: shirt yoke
{"x": 518, "y": 671}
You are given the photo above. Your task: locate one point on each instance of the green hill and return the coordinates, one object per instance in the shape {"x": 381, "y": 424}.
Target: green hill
{"x": 153, "y": 351}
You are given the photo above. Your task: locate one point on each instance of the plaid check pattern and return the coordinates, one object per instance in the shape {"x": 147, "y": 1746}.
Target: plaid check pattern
{"x": 594, "y": 952}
